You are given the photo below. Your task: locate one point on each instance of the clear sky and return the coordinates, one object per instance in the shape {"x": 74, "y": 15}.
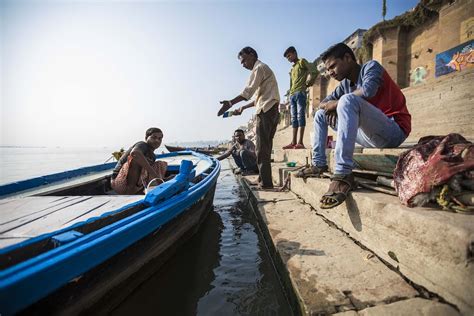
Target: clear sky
{"x": 99, "y": 73}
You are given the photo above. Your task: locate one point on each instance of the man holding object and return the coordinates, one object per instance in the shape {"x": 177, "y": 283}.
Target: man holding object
{"x": 263, "y": 85}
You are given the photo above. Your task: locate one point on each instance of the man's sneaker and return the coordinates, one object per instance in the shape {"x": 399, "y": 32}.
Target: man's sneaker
{"x": 299, "y": 146}
{"x": 289, "y": 146}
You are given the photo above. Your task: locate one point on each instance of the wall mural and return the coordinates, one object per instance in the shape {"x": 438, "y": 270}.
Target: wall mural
{"x": 455, "y": 59}
{"x": 418, "y": 75}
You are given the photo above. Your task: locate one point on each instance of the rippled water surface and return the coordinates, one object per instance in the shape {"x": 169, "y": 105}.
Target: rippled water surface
{"x": 223, "y": 270}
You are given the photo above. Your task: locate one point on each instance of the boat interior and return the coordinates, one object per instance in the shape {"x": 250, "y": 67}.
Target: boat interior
{"x": 51, "y": 209}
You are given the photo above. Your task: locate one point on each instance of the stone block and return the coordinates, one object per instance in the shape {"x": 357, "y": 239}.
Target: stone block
{"x": 413, "y": 306}
{"x": 432, "y": 248}
{"x": 327, "y": 270}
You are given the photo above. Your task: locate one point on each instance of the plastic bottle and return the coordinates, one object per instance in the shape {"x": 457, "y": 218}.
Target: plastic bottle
{"x": 228, "y": 114}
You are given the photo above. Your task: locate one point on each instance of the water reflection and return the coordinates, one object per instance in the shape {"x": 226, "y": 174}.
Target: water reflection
{"x": 223, "y": 270}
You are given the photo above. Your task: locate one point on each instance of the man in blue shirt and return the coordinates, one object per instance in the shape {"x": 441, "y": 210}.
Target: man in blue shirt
{"x": 367, "y": 108}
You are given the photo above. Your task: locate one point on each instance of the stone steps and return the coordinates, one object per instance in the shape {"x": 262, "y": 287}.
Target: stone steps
{"x": 414, "y": 306}
{"x": 376, "y": 159}
{"x": 326, "y": 270}
{"x": 432, "y": 248}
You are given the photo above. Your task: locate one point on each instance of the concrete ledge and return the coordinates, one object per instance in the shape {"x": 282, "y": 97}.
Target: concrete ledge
{"x": 304, "y": 156}
{"x": 325, "y": 269}
{"x": 430, "y": 247}
{"x": 414, "y": 306}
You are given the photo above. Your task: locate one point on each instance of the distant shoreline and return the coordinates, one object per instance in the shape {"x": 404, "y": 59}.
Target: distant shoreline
{"x": 23, "y": 147}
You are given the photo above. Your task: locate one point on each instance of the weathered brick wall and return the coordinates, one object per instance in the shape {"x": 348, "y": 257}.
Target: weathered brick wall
{"x": 450, "y": 20}
{"x": 403, "y": 79}
{"x": 322, "y": 87}
{"x": 444, "y": 106}
{"x": 422, "y": 45}
{"x": 390, "y": 52}
{"x": 315, "y": 94}
{"x": 405, "y": 51}
{"x": 377, "y": 49}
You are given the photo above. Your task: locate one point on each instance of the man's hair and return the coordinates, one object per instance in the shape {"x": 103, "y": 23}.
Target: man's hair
{"x": 338, "y": 51}
{"x": 290, "y": 49}
{"x": 239, "y": 131}
{"x": 249, "y": 51}
{"x": 152, "y": 130}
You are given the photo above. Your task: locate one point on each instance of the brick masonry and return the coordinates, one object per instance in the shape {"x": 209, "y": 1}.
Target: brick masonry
{"x": 404, "y": 50}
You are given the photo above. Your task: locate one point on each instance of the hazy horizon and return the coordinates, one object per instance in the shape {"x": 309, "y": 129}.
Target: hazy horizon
{"x": 99, "y": 73}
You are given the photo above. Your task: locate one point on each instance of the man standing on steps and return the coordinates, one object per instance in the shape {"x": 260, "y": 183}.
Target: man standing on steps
{"x": 263, "y": 86}
{"x": 367, "y": 107}
{"x": 302, "y": 76}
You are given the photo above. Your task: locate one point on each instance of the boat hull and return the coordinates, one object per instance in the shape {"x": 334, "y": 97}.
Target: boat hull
{"x": 101, "y": 289}
{"x": 68, "y": 267}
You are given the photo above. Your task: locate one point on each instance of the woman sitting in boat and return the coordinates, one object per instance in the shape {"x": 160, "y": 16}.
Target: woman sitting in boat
{"x": 137, "y": 166}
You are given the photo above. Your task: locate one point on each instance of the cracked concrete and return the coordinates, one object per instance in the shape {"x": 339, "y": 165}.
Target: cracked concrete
{"x": 428, "y": 246}
{"x": 329, "y": 272}
{"x": 414, "y": 306}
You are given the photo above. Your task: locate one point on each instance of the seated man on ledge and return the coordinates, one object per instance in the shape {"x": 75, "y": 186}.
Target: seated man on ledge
{"x": 138, "y": 165}
{"x": 367, "y": 108}
{"x": 243, "y": 152}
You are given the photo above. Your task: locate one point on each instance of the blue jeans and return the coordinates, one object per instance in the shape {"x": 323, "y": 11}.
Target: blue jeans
{"x": 357, "y": 121}
{"x": 298, "y": 109}
{"x": 245, "y": 160}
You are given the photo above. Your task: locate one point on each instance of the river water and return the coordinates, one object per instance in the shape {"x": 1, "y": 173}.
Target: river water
{"x": 224, "y": 269}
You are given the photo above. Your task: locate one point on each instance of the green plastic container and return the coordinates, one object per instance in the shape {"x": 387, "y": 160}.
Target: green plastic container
{"x": 291, "y": 164}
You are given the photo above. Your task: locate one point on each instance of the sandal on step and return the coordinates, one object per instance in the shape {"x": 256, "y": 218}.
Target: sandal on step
{"x": 311, "y": 172}
{"x": 340, "y": 186}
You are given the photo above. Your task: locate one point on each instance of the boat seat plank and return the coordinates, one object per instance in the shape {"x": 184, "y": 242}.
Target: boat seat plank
{"x": 202, "y": 166}
{"x": 15, "y": 209}
{"x": 113, "y": 203}
{"x": 46, "y": 213}
{"x": 44, "y": 219}
{"x": 50, "y": 189}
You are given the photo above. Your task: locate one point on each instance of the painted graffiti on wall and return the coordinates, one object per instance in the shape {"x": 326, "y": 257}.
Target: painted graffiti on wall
{"x": 418, "y": 75}
{"x": 456, "y": 59}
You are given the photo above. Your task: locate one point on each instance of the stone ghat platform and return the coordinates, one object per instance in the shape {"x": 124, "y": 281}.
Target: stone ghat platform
{"x": 429, "y": 247}
{"x": 371, "y": 255}
{"x": 342, "y": 263}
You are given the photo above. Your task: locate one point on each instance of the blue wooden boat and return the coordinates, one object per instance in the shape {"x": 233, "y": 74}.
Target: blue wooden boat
{"x": 68, "y": 243}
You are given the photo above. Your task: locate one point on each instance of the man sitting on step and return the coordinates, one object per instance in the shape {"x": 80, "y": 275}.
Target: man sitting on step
{"x": 367, "y": 108}
{"x": 243, "y": 152}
